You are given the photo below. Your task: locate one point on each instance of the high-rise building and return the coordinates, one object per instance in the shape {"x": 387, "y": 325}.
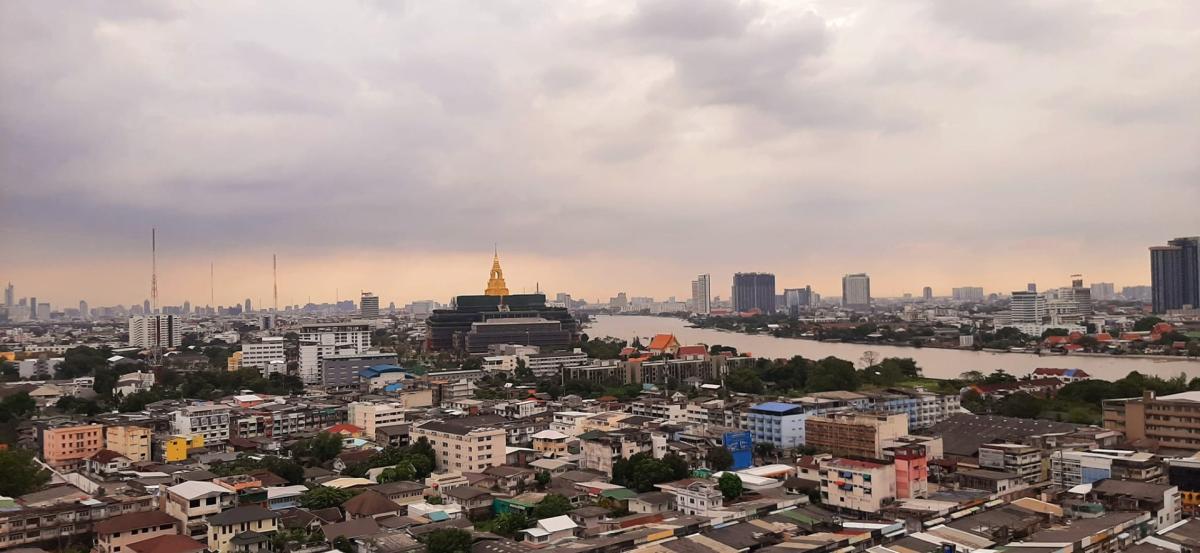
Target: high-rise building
{"x": 33, "y": 308}
{"x": 1136, "y": 293}
{"x": 319, "y": 340}
{"x": 702, "y": 294}
{"x": 797, "y": 299}
{"x": 146, "y": 307}
{"x": 1031, "y": 287}
{"x": 754, "y": 291}
{"x": 83, "y": 309}
{"x": 927, "y": 293}
{"x": 249, "y": 307}
{"x": 9, "y": 295}
{"x": 1027, "y": 308}
{"x": 369, "y": 305}
{"x": 144, "y": 330}
{"x": 856, "y": 291}
{"x": 967, "y": 293}
{"x": 187, "y": 307}
{"x": 1175, "y": 274}
{"x": 1103, "y": 291}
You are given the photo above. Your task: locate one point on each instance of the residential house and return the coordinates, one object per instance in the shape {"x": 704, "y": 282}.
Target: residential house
{"x": 113, "y": 535}
{"x": 242, "y": 529}
{"x": 551, "y": 530}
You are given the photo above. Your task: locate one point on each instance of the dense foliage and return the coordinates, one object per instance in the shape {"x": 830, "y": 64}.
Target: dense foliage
{"x": 21, "y": 473}
{"x": 641, "y": 471}
{"x": 448, "y": 540}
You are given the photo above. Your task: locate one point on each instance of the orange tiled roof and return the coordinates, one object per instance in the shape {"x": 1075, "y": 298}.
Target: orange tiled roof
{"x": 663, "y": 341}
{"x": 692, "y": 350}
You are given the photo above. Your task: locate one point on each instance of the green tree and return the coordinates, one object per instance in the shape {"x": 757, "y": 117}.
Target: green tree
{"x": 341, "y": 543}
{"x": 1146, "y": 323}
{"x": 17, "y": 406}
{"x": 1020, "y": 405}
{"x": 730, "y": 485}
{"x": 719, "y": 458}
{"x": 9, "y": 372}
{"x": 448, "y": 540}
{"x": 543, "y": 479}
{"x": 82, "y": 361}
{"x": 744, "y": 380}
{"x": 552, "y": 505}
{"x": 321, "y": 448}
{"x": 21, "y": 473}
{"x": 323, "y": 497}
{"x": 830, "y": 374}
{"x": 510, "y": 523}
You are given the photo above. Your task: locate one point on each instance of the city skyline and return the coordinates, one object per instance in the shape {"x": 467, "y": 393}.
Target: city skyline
{"x": 807, "y": 140}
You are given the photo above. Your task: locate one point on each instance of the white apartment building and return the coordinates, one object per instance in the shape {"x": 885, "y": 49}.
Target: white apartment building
{"x": 551, "y": 364}
{"x": 694, "y": 496}
{"x": 571, "y": 423}
{"x": 208, "y": 420}
{"x": 659, "y": 409}
{"x": 369, "y": 416}
{"x": 856, "y": 485}
{"x": 318, "y": 340}
{"x": 144, "y": 330}
{"x": 269, "y": 354}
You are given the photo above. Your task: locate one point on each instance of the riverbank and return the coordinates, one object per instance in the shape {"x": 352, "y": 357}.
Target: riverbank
{"x": 935, "y": 362}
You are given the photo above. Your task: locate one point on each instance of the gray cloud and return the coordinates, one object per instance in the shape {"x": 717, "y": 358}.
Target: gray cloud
{"x": 575, "y": 129}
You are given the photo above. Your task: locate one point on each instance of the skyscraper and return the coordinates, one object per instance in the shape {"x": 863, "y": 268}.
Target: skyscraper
{"x": 754, "y": 291}
{"x": 33, "y": 307}
{"x": 702, "y": 294}
{"x": 856, "y": 291}
{"x": 927, "y": 293}
{"x": 1027, "y": 308}
{"x": 146, "y": 307}
{"x": 1031, "y": 287}
{"x": 796, "y": 299}
{"x": 1175, "y": 274}
{"x": 369, "y": 305}
{"x": 1103, "y": 291}
{"x": 83, "y": 309}
{"x": 248, "y": 306}
{"x": 9, "y": 295}
{"x": 967, "y": 293}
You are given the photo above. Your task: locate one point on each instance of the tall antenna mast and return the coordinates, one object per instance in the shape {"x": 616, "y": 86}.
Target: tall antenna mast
{"x": 155, "y": 351}
{"x": 212, "y": 286}
{"x": 275, "y": 280}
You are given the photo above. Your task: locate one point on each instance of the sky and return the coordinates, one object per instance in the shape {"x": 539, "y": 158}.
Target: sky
{"x": 601, "y": 146}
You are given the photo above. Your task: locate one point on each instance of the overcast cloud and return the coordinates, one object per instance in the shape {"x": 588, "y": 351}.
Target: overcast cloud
{"x": 605, "y": 146}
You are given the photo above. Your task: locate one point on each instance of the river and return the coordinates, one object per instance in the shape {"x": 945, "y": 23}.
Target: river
{"x": 934, "y": 362}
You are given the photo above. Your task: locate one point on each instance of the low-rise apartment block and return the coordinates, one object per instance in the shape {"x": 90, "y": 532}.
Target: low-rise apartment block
{"x": 461, "y": 448}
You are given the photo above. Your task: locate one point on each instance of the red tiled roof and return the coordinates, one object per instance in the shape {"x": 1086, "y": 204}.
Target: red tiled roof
{"x": 692, "y": 350}
{"x": 105, "y": 456}
{"x": 171, "y": 543}
{"x": 344, "y": 427}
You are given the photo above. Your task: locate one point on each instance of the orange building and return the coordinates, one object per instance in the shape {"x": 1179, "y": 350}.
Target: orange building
{"x": 66, "y": 447}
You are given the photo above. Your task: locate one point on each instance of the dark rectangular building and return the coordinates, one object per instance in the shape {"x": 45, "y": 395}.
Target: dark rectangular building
{"x": 341, "y": 371}
{"x": 1175, "y": 274}
{"x": 754, "y": 291}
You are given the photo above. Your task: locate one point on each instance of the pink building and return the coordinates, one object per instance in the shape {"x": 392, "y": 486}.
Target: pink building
{"x": 67, "y": 447}
{"x": 912, "y": 472}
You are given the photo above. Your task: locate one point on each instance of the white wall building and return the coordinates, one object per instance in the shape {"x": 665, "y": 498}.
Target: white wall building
{"x": 143, "y": 331}
{"x": 856, "y": 290}
{"x": 208, "y": 420}
{"x": 321, "y": 339}
{"x": 702, "y": 294}
{"x": 268, "y": 354}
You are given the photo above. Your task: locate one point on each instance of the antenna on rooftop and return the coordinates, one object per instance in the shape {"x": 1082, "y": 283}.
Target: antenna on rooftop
{"x": 155, "y": 350}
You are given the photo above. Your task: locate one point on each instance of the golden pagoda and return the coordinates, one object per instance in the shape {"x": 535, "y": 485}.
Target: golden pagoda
{"x": 496, "y": 286}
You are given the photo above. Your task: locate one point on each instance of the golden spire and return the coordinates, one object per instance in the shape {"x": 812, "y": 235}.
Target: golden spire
{"x": 496, "y": 286}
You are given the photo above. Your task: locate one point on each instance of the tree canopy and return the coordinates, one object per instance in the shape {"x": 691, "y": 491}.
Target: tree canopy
{"x": 448, "y": 540}
{"x": 21, "y": 473}
{"x": 730, "y": 485}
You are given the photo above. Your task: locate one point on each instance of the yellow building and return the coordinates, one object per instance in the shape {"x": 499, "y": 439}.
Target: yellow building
{"x": 8, "y": 355}
{"x": 245, "y": 528}
{"x": 130, "y": 441}
{"x": 176, "y": 448}
{"x": 234, "y": 363}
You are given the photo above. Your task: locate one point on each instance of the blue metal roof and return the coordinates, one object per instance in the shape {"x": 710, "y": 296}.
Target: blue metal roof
{"x": 776, "y": 407}
{"x": 377, "y": 370}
